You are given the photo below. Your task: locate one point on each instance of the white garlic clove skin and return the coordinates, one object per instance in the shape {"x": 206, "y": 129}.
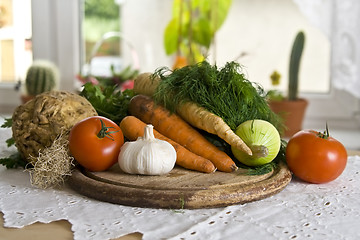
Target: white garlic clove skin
{"x": 147, "y": 155}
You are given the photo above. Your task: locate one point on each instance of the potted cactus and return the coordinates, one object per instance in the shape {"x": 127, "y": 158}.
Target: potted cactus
{"x": 42, "y": 76}
{"x": 292, "y": 109}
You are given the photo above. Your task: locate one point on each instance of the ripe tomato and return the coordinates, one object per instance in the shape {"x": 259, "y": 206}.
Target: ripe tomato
{"x": 95, "y": 143}
{"x": 315, "y": 157}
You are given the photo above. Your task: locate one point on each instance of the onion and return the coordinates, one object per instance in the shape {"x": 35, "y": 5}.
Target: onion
{"x": 262, "y": 138}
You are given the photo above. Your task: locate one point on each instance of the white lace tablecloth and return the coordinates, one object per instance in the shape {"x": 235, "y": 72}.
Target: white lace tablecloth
{"x": 300, "y": 211}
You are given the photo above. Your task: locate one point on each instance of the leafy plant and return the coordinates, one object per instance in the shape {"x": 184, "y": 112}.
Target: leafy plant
{"x": 192, "y": 28}
{"x": 108, "y": 101}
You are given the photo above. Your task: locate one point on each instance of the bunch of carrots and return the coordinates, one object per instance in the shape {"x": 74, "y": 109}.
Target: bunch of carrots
{"x": 194, "y": 151}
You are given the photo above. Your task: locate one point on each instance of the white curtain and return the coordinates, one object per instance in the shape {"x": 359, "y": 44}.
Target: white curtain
{"x": 339, "y": 20}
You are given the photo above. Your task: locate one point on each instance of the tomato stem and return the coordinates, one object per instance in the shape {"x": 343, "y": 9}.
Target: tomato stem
{"x": 104, "y": 131}
{"x": 327, "y": 130}
{"x": 325, "y": 134}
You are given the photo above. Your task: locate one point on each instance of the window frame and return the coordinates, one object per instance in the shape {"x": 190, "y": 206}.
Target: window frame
{"x": 55, "y": 37}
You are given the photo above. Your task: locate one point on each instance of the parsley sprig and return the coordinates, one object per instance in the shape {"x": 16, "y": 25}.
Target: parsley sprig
{"x": 108, "y": 101}
{"x": 15, "y": 160}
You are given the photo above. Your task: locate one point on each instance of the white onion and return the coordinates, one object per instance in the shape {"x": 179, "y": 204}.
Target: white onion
{"x": 262, "y": 138}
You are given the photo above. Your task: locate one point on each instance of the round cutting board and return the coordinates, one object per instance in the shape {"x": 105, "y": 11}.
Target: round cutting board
{"x": 181, "y": 188}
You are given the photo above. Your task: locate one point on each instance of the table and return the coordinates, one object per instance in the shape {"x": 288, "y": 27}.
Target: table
{"x": 301, "y": 210}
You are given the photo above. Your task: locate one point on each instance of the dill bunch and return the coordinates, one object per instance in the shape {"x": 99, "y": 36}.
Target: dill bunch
{"x": 223, "y": 91}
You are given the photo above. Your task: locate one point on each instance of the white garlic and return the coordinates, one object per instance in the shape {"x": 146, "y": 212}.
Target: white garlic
{"x": 147, "y": 155}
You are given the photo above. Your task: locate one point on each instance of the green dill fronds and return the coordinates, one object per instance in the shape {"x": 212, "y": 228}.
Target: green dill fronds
{"x": 261, "y": 170}
{"x": 223, "y": 91}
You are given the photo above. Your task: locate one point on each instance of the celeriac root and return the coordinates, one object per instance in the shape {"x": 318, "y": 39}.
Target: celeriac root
{"x": 52, "y": 165}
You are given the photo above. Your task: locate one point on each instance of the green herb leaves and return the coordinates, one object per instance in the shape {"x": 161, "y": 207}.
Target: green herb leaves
{"x": 108, "y": 101}
{"x": 7, "y": 123}
{"x": 15, "y": 160}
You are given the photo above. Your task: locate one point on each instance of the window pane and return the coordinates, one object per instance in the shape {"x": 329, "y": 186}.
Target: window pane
{"x": 262, "y": 33}
{"x": 15, "y": 40}
{"x": 101, "y": 48}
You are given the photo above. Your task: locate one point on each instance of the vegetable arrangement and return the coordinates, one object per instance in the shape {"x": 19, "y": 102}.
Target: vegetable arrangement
{"x": 209, "y": 99}
{"x": 175, "y": 128}
{"x": 40, "y": 130}
{"x": 194, "y": 114}
{"x": 133, "y": 128}
{"x": 173, "y": 117}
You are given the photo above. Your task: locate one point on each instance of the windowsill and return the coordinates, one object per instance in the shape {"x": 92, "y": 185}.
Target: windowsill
{"x": 349, "y": 138}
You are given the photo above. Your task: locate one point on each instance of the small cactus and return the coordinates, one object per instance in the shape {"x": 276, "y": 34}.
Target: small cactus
{"x": 294, "y": 66}
{"x": 42, "y": 76}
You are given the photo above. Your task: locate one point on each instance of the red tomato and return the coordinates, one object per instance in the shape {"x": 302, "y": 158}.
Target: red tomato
{"x": 315, "y": 157}
{"x": 95, "y": 143}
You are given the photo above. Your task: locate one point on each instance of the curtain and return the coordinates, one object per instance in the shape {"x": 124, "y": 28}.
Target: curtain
{"x": 339, "y": 21}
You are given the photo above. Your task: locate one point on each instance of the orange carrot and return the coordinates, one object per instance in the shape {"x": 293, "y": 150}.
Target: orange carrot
{"x": 133, "y": 128}
{"x": 175, "y": 128}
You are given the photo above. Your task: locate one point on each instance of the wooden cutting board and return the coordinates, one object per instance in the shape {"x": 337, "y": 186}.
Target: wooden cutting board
{"x": 180, "y": 188}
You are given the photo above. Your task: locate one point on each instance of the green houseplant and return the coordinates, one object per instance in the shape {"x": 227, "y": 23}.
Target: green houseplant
{"x": 191, "y": 31}
{"x": 292, "y": 109}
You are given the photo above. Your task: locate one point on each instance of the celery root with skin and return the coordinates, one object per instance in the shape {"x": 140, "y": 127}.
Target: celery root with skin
{"x": 146, "y": 84}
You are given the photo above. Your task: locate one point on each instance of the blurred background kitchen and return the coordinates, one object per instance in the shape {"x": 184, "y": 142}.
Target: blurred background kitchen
{"x": 87, "y": 37}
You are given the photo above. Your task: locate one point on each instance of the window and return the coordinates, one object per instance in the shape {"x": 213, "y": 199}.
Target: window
{"x": 260, "y": 34}
{"x": 56, "y": 36}
{"x": 15, "y": 40}
{"x": 15, "y": 45}
{"x": 100, "y": 38}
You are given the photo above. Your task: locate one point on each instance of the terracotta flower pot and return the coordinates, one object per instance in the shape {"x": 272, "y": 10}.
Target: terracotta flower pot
{"x": 292, "y": 112}
{"x": 26, "y": 98}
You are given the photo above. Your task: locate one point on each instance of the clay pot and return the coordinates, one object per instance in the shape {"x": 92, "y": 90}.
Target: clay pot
{"x": 26, "y": 98}
{"x": 292, "y": 112}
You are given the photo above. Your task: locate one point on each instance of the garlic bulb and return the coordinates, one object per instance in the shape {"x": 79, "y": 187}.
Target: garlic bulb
{"x": 147, "y": 155}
